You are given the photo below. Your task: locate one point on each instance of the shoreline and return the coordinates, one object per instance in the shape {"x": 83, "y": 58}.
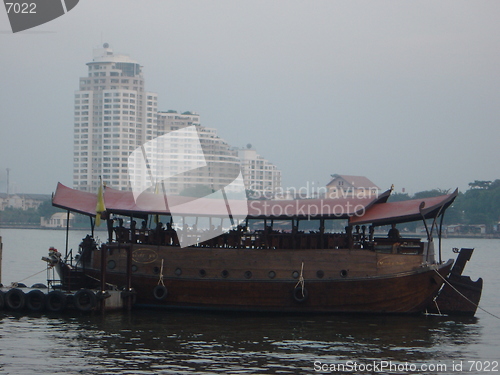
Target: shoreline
{"x": 102, "y": 229}
{"x": 27, "y": 226}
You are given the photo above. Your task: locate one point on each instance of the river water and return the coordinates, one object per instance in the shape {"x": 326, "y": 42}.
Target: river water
{"x": 174, "y": 342}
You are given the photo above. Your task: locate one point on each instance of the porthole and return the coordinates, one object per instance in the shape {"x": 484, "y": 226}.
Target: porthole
{"x": 202, "y": 273}
{"x": 271, "y": 274}
{"x": 248, "y": 274}
{"x": 156, "y": 270}
{"x": 111, "y": 264}
{"x": 225, "y": 273}
{"x": 343, "y": 273}
{"x": 178, "y": 271}
{"x": 295, "y": 274}
{"x": 320, "y": 274}
{"x": 134, "y": 268}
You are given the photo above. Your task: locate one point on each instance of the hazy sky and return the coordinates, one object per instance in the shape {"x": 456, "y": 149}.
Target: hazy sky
{"x": 404, "y": 93}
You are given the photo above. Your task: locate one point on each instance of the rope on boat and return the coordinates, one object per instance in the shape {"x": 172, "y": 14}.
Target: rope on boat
{"x": 301, "y": 281}
{"x": 437, "y": 306}
{"x": 14, "y": 284}
{"x": 160, "y": 280}
{"x": 456, "y": 290}
{"x": 115, "y": 287}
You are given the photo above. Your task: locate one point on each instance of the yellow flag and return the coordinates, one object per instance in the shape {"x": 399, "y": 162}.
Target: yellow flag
{"x": 99, "y": 208}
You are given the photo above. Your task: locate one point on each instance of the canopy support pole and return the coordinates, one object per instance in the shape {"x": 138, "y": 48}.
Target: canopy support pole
{"x": 129, "y": 277}
{"x": 104, "y": 250}
{"x": 67, "y": 235}
{"x": 109, "y": 225}
{"x": 429, "y": 234}
{"x": 440, "y": 235}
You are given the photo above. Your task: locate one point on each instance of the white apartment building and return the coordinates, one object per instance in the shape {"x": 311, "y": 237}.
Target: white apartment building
{"x": 113, "y": 116}
{"x": 221, "y": 165}
{"x": 262, "y": 178}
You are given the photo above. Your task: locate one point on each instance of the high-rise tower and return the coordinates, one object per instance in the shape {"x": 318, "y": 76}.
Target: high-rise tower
{"x": 113, "y": 116}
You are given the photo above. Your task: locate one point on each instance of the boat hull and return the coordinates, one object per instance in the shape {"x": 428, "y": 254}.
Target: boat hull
{"x": 460, "y": 295}
{"x": 399, "y": 293}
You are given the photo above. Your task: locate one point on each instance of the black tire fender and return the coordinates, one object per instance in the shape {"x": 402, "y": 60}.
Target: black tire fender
{"x": 39, "y": 285}
{"x": 35, "y": 300}
{"x": 160, "y": 292}
{"x": 85, "y": 300}
{"x": 15, "y": 299}
{"x": 300, "y": 294}
{"x": 56, "y": 301}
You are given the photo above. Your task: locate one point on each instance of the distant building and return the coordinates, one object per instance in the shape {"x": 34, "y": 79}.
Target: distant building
{"x": 219, "y": 166}
{"x": 262, "y": 178}
{"x": 463, "y": 229}
{"x": 57, "y": 220}
{"x": 344, "y": 185}
{"x": 22, "y": 201}
{"x": 113, "y": 115}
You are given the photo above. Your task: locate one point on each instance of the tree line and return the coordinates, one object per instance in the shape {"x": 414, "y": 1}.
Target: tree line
{"x": 30, "y": 216}
{"x": 480, "y": 204}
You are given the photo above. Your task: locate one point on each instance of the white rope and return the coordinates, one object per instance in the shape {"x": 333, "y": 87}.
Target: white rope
{"x": 437, "y": 307}
{"x": 26, "y": 278}
{"x": 301, "y": 281}
{"x": 115, "y": 287}
{"x": 160, "y": 281}
{"x": 456, "y": 290}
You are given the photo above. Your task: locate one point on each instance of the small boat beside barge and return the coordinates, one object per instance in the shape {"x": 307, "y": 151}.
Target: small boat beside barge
{"x": 257, "y": 267}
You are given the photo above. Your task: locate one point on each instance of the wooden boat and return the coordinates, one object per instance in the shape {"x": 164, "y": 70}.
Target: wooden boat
{"x": 252, "y": 268}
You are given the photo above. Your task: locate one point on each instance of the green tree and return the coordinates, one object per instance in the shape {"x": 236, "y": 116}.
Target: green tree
{"x": 477, "y": 184}
{"x": 430, "y": 193}
{"x": 47, "y": 210}
{"x": 398, "y": 197}
{"x": 18, "y": 216}
{"x": 481, "y": 205}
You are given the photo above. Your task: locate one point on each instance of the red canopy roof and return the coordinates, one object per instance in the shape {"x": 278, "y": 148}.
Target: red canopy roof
{"x": 404, "y": 211}
{"x": 123, "y": 202}
{"x": 74, "y": 200}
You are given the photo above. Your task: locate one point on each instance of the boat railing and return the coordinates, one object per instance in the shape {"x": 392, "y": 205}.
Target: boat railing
{"x": 398, "y": 246}
{"x": 270, "y": 239}
{"x": 258, "y": 239}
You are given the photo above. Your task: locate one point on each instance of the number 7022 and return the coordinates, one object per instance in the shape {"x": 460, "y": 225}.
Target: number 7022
{"x": 21, "y": 7}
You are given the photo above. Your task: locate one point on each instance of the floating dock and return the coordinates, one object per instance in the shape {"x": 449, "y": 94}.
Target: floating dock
{"x": 40, "y": 298}
{"x": 18, "y": 297}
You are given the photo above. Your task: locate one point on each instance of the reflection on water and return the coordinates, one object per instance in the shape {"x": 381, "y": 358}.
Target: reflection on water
{"x": 152, "y": 342}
